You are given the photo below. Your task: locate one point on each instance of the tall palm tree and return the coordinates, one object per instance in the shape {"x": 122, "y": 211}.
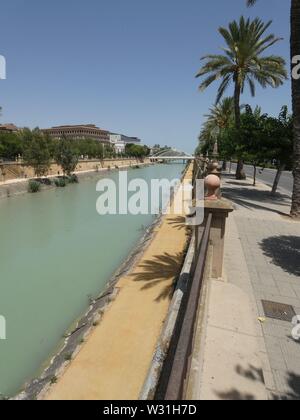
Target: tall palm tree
{"x": 295, "y": 51}
{"x": 243, "y": 63}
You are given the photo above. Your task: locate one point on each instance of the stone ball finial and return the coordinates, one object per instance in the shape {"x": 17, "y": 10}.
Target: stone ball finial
{"x": 212, "y": 184}
{"x": 213, "y": 168}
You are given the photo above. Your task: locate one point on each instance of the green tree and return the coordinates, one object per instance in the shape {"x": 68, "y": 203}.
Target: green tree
{"x": 261, "y": 140}
{"x": 67, "y": 155}
{"x": 295, "y": 52}
{"x": 37, "y": 151}
{"x": 278, "y": 138}
{"x": 243, "y": 62}
{"x": 11, "y": 146}
{"x": 137, "y": 151}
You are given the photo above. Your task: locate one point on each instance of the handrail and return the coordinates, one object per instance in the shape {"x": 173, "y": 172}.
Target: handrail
{"x": 180, "y": 361}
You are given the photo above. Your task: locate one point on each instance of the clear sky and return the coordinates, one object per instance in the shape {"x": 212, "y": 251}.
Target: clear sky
{"x": 126, "y": 65}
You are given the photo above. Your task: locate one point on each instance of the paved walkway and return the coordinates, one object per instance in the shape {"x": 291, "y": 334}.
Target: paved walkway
{"x": 241, "y": 353}
{"x": 270, "y": 244}
{"x": 114, "y": 362}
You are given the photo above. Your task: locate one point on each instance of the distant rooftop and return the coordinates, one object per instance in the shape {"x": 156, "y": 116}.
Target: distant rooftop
{"x": 77, "y": 126}
{"x": 8, "y": 127}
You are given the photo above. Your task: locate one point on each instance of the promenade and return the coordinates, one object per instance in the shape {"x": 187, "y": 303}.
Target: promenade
{"x": 246, "y": 354}
{"x": 114, "y": 362}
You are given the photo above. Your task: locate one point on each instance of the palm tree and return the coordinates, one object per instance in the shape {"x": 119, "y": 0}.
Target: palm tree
{"x": 221, "y": 114}
{"x": 220, "y": 117}
{"x": 243, "y": 63}
{"x": 295, "y": 51}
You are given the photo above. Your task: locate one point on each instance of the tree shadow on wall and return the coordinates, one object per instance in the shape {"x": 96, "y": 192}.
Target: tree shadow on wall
{"x": 161, "y": 269}
{"x": 284, "y": 252}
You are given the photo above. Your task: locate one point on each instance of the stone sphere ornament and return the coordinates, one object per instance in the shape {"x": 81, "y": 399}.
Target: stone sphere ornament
{"x": 212, "y": 185}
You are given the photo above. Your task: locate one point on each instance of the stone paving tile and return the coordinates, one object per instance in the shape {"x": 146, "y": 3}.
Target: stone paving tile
{"x": 269, "y": 380}
{"x": 261, "y": 289}
{"x": 282, "y": 382}
{"x": 277, "y": 363}
{"x": 296, "y": 290}
{"x": 286, "y": 290}
{"x": 282, "y": 299}
{"x": 290, "y": 349}
{"x": 275, "y": 277}
{"x": 273, "y": 330}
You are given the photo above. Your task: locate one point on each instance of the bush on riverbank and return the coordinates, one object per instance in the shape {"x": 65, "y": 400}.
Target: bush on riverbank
{"x": 34, "y": 186}
{"x": 73, "y": 179}
{"x": 60, "y": 182}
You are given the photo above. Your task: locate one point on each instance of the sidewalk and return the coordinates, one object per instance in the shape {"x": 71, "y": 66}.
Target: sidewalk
{"x": 248, "y": 355}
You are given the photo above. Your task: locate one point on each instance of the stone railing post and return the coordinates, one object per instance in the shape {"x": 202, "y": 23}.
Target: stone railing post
{"x": 220, "y": 209}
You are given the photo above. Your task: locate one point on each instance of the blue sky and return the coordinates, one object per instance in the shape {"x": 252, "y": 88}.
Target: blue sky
{"x": 125, "y": 65}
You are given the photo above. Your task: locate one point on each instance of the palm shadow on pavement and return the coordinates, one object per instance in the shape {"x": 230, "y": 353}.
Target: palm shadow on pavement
{"x": 256, "y": 375}
{"x": 284, "y": 252}
{"x": 161, "y": 269}
{"x": 253, "y": 199}
{"x": 251, "y": 373}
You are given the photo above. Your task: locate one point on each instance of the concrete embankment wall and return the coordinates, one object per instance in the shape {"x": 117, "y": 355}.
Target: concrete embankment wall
{"x": 10, "y": 171}
{"x": 21, "y": 173}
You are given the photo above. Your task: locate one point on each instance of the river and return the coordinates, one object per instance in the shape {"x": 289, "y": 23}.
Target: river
{"x": 56, "y": 252}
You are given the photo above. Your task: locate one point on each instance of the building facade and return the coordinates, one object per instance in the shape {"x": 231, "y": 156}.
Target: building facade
{"x": 119, "y": 141}
{"x": 79, "y": 132}
{"x": 8, "y": 128}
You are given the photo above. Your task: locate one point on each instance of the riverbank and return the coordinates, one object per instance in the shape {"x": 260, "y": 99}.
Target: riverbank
{"x": 81, "y": 330}
{"x": 61, "y": 260}
{"x": 114, "y": 361}
{"x": 18, "y": 186}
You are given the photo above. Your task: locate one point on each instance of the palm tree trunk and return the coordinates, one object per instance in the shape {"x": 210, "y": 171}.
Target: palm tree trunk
{"x": 295, "y": 50}
{"x": 237, "y": 108}
{"x": 280, "y": 169}
{"x": 254, "y": 175}
{"x": 240, "y": 173}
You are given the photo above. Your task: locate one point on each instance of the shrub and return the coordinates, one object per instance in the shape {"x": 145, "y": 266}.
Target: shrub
{"x": 45, "y": 181}
{"x": 73, "y": 179}
{"x": 34, "y": 186}
{"x": 60, "y": 182}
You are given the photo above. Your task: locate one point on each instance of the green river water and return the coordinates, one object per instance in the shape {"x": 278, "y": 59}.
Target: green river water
{"x": 55, "y": 253}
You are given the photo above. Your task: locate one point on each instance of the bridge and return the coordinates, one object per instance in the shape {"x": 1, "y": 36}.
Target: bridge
{"x": 171, "y": 154}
